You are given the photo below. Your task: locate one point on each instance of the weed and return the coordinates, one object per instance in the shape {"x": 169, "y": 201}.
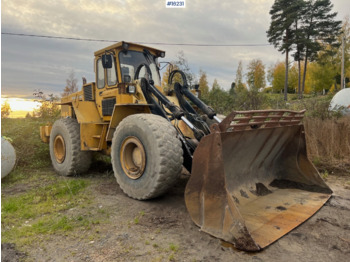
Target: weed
{"x": 172, "y": 257}
{"x": 155, "y": 245}
{"x": 158, "y": 259}
{"x": 173, "y": 247}
{"x": 325, "y": 174}
{"x": 137, "y": 219}
{"x": 316, "y": 161}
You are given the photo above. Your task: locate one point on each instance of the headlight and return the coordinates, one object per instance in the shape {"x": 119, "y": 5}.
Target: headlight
{"x": 132, "y": 89}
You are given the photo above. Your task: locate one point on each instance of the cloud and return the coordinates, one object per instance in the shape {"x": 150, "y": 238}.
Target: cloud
{"x": 32, "y": 63}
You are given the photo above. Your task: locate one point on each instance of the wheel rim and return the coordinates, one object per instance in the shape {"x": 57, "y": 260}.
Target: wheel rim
{"x": 133, "y": 157}
{"x": 59, "y": 149}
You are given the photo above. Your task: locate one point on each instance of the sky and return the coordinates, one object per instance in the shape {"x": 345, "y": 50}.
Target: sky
{"x": 29, "y": 63}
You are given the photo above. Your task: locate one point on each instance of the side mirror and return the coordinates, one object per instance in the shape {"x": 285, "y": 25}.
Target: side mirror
{"x": 126, "y": 79}
{"x": 107, "y": 61}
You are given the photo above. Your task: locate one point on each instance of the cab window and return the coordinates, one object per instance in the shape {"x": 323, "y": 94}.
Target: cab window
{"x": 100, "y": 74}
{"x": 111, "y": 75}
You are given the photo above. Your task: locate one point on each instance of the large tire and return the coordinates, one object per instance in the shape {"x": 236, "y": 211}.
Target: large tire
{"x": 66, "y": 156}
{"x": 146, "y": 156}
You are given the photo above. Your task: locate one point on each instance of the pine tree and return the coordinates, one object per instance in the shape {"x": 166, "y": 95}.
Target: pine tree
{"x": 284, "y": 14}
{"x": 319, "y": 30}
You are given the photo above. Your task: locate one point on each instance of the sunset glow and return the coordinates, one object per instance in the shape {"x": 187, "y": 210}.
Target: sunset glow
{"x": 20, "y": 107}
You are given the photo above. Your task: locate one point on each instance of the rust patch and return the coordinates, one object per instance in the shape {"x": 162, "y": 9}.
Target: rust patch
{"x": 282, "y": 208}
{"x": 244, "y": 194}
{"x": 285, "y": 184}
{"x": 262, "y": 190}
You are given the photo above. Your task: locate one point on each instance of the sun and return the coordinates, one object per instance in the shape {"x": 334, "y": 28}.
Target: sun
{"x": 19, "y": 106}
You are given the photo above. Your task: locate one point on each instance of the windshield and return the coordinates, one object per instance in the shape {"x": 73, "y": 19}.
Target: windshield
{"x": 130, "y": 60}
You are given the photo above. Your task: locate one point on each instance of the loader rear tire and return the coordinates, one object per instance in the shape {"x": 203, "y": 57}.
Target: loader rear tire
{"x": 146, "y": 156}
{"x": 66, "y": 156}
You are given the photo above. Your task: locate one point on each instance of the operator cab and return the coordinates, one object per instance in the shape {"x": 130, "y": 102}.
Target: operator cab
{"x": 124, "y": 63}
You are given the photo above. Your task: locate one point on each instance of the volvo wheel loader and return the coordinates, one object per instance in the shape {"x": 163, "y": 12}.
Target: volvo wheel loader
{"x": 251, "y": 181}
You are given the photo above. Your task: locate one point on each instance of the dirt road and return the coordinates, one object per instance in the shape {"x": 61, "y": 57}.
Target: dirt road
{"x": 161, "y": 230}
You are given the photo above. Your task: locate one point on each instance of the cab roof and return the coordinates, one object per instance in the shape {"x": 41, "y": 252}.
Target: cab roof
{"x": 132, "y": 46}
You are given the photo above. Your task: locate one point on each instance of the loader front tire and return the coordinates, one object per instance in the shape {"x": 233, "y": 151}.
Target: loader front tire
{"x": 146, "y": 156}
{"x": 66, "y": 156}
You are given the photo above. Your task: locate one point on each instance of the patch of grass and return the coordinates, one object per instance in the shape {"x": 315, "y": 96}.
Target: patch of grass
{"x": 35, "y": 202}
{"x": 24, "y": 133}
{"x": 325, "y": 174}
{"x": 35, "y": 230}
{"x": 173, "y": 247}
{"x": 39, "y": 211}
{"x": 316, "y": 161}
{"x": 137, "y": 219}
{"x": 28, "y": 178}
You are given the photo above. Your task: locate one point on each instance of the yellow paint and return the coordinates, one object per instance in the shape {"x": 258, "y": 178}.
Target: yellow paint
{"x": 45, "y": 133}
{"x": 90, "y": 136}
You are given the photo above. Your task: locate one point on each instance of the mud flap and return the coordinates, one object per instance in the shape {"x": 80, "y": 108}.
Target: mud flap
{"x": 251, "y": 180}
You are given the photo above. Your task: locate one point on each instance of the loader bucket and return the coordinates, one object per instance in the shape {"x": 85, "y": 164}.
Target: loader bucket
{"x": 251, "y": 180}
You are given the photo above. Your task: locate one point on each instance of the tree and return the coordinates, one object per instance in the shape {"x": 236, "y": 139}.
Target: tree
{"x": 320, "y": 78}
{"x": 165, "y": 78}
{"x": 276, "y": 76}
{"x": 219, "y": 99}
{"x": 284, "y": 13}
{"x": 299, "y": 39}
{"x": 239, "y": 77}
{"x": 256, "y": 75}
{"x": 71, "y": 85}
{"x": 319, "y": 30}
{"x": 182, "y": 64}
{"x": 203, "y": 83}
{"x": 48, "y": 108}
{"x": 5, "y": 109}
{"x": 278, "y": 73}
{"x": 215, "y": 85}
{"x": 294, "y": 78}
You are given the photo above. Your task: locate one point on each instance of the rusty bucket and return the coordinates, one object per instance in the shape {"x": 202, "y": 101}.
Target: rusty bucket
{"x": 251, "y": 180}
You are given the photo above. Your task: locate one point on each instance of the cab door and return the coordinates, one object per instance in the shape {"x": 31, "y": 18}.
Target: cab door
{"x": 105, "y": 79}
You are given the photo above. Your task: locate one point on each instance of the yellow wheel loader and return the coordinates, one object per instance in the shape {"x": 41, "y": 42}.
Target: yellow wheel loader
{"x": 251, "y": 181}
